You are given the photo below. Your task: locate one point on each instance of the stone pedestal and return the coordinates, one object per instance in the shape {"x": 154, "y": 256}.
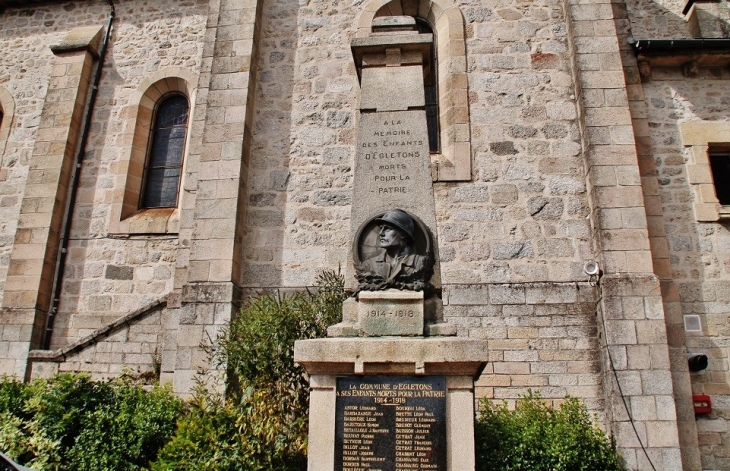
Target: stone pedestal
{"x": 460, "y": 361}
{"x": 391, "y": 312}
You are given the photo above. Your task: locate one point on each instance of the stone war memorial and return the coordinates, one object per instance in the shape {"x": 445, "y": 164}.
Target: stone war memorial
{"x": 522, "y": 195}
{"x": 392, "y": 387}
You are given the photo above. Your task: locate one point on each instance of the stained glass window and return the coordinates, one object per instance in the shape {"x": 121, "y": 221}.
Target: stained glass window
{"x": 164, "y": 160}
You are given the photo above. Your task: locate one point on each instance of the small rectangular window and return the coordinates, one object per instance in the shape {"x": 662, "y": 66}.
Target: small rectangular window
{"x": 720, "y": 166}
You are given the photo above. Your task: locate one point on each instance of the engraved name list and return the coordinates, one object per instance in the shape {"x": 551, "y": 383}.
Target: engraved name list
{"x": 390, "y": 423}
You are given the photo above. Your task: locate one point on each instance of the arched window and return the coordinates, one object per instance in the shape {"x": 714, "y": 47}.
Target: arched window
{"x": 451, "y": 150}
{"x": 163, "y": 167}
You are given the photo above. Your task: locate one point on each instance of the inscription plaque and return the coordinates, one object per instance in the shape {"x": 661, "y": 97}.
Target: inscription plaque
{"x": 393, "y": 156}
{"x": 390, "y": 423}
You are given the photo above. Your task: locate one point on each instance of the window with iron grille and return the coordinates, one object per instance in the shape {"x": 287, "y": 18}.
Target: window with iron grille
{"x": 163, "y": 168}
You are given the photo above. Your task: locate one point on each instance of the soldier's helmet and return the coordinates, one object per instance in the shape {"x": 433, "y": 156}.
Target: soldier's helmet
{"x": 400, "y": 220}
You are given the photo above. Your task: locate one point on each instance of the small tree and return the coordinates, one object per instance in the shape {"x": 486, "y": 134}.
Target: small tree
{"x": 535, "y": 437}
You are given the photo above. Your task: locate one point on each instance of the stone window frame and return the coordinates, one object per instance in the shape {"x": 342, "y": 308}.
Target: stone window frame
{"x": 447, "y": 23}
{"x": 7, "y": 112}
{"x": 127, "y": 217}
{"x": 700, "y": 137}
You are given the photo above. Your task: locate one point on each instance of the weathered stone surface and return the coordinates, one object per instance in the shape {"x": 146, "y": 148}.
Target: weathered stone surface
{"x": 449, "y": 356}
{"x": 379, "y": 92}
{"x": 390, "y": 312}
{"x": 272, "y": 139}
{"x": 114, "y": 272}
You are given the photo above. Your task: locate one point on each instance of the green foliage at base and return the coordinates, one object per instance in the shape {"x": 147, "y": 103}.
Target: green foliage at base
{"x": 261, "y": 424}
{"x": 535, "y": 437}
{"x": 73, "y": 423}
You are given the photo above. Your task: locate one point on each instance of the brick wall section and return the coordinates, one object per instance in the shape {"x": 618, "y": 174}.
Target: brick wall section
{"x": 216, "y": 239}
{"x": 33, "y": 260}
{"x": 657, "y": 19}
{"x": 24, "y": 69}
{"x": 541, "y": 336}
{"x": 631, "y": 317}
{"x": 131, "y": 345}
{"x": 107, "y": 275}
{"x": 521, "y": 219}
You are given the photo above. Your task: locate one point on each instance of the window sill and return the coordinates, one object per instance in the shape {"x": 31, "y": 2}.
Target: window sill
{"x": 452, "y": 164}
{"x": 149, "y": 221}
{"x": 724, "y": 213}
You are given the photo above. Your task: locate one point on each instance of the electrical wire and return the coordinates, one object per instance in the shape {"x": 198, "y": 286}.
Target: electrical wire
{"x": 620, "y": 391}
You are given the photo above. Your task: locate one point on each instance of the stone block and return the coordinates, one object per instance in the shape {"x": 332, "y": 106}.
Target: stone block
{"x": 391, "y": 312}
{"x": 468, "y": 294}
{"x": 507, "y": 294}
{"x": 707, "y": 212}
{"x": 602, "y": 79}
{"x": 699, "y": 133}
{"x": 392, "y": 88}
{"x": 662, "y": 434}
{"x": 620, "y": 332}
{"x": 441, "y": 329}
{"x": 350, "y": 311}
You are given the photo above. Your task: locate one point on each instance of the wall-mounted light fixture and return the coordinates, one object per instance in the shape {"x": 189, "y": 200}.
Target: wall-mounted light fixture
{"x": 593, "y": 270}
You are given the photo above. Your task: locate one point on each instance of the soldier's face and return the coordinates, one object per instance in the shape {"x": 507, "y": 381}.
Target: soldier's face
{"x": 391, "y": 237}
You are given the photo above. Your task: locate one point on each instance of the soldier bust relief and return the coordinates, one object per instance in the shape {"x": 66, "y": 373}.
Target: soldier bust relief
{"x": 395, "y": 252}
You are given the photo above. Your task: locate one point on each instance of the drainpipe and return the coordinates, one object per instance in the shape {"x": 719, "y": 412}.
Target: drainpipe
{"x": 658, "y": 46}
{"x": 63, "y": 251}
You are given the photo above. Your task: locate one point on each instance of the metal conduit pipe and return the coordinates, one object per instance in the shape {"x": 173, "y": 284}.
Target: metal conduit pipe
{"x": 75, "y": 175}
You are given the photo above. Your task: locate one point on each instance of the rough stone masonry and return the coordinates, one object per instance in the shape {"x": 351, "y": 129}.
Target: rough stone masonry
{"x": 561, "y": 142}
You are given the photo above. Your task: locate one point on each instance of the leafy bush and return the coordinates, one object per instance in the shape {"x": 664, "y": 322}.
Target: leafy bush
{"x": 534, "y": 437}
{"x": 262, "y": 422}
{"x": 74, "y": 423}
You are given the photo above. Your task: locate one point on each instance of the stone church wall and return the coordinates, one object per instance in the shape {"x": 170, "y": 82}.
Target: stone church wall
{"x": 522, "y": 218}
{"x": 107, "y": 275}
{"x": 699, "y": 251}
{"x": 657, "y": 19}
{"x": 559, "y": 176}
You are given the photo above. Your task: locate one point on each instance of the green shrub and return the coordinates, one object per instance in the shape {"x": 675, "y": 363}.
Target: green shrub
{"x": 535, "y": 437}
{"x": 13, "y": 395}
{"x": 73, "y": 423}
{"x": 262, "y": 422}
{"x": 126, "y": 432}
